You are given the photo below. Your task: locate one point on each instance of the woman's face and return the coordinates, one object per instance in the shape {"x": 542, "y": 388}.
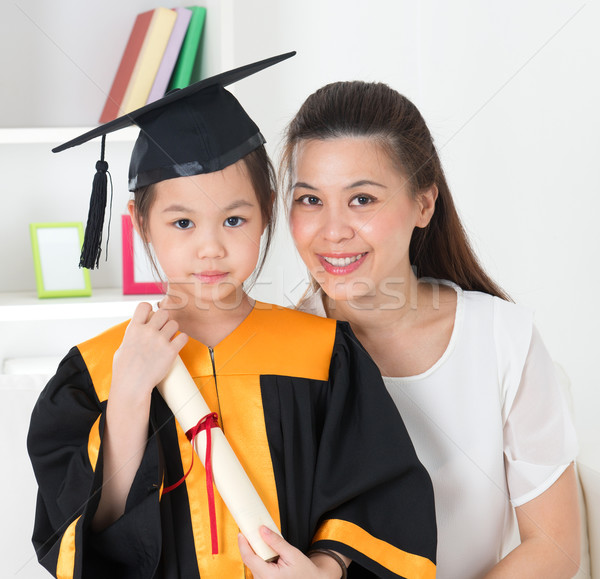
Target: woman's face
{"x": 352, "y": 217}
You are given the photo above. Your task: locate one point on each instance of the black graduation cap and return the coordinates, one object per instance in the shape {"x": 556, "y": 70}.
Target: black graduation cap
{"x": 198, "y": 129}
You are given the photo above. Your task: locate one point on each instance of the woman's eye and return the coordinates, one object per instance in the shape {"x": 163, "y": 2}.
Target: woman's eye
{"x": 183, "y": 224}
{"x": 234, "y": 221}
{"x": 308, "y": 200}
{"x": 362, "y": 200}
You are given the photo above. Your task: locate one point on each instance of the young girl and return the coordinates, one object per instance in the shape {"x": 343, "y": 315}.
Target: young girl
{"x": 374, "y": 221}
{"x": 300, "y": 402}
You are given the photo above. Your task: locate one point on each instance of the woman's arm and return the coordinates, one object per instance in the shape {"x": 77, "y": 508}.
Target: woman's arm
{"x": 550, "y": 527}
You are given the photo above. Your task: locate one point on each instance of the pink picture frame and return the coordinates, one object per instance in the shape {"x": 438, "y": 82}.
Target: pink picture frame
{"x": 138, "y": 275}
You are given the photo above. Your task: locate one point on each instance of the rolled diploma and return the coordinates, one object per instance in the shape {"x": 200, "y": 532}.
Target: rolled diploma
{"x": 187, "y": 404}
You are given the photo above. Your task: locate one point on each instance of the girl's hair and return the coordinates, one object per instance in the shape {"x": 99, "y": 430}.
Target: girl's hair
{"x": 374, "y": 110}
{"x": 262, "y": 176}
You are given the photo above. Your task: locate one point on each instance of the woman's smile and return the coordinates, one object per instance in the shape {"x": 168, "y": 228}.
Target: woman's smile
{"x": 342, "y": 264}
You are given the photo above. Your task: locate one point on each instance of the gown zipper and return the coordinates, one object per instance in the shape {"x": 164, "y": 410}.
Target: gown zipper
{"x": 212, "y": 361}
{"x": 220, "y": 418}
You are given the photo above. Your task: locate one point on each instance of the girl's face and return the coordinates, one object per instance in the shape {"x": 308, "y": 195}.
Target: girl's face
{"x": 205, "y": 231}
{"x": 353, "y": 215}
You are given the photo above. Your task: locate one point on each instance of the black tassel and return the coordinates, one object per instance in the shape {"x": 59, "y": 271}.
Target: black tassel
{"x": 92, "y": 240}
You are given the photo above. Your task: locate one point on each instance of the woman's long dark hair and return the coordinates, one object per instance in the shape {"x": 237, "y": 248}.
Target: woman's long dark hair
{"x": 374, "y": 110}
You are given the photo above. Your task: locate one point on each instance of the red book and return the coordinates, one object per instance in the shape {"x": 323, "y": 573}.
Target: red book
{"x": 121, "y": 81}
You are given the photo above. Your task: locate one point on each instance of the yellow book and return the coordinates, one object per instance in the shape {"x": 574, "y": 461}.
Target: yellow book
{"x": 149, "y": 59}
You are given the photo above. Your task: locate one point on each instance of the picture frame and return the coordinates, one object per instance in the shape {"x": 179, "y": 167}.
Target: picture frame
{"x": 139, "y": 276}
{"x": 56, "y": 251}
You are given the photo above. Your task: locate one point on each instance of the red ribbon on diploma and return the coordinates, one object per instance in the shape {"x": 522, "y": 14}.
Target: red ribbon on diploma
{"x": 207, "y": 423}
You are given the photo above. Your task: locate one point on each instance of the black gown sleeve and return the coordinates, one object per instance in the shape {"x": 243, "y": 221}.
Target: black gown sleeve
{"x": 373, "y": 497}
{"x": 69, "y": 487}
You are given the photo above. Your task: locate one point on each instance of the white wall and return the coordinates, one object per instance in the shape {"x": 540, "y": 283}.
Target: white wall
{"x": 510, "y": 91}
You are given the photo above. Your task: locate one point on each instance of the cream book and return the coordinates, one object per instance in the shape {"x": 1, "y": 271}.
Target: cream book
{"x": 148, "y": 62}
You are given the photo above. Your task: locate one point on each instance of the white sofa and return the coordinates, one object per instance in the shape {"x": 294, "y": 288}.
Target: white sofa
{"x": 17, "y": 483}
{"x": 588, "y": 468}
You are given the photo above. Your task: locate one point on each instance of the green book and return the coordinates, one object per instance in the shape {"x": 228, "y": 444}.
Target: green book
{"x": 187, "y": 69}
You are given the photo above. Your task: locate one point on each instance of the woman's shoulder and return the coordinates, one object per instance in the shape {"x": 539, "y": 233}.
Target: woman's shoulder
{"x": 483, "y": 319}
{"x": 501, "y": 313}
{"x": 502, "y": 327}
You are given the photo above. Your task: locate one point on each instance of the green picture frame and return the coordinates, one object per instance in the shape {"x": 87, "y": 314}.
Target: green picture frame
{"x": 56, "y": 248}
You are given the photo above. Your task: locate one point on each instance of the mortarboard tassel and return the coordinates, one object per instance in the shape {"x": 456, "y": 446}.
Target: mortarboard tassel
{"x": 92, "y": 241}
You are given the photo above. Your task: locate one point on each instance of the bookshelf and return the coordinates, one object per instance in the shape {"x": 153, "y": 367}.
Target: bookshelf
{"x": 105, "y": 303}
{"x": 32, "y": 328}
{"x": 52, "y": 91}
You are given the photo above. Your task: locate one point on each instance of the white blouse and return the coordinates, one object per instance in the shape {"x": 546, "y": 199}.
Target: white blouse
{"x": 490, "y": 423}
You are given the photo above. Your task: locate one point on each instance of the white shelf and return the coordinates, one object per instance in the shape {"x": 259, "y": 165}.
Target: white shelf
{"x": 33, "y": 135}
{"x": 62, "y": 100}
{"x": 104, "y": 303}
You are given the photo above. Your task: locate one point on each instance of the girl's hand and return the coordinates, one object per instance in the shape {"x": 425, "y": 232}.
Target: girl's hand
{"x": 145, "y": 356}
{"x": 147, "y": 352}
{"x": 291, "y": 562}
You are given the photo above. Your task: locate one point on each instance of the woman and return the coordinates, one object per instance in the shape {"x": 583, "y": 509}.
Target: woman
{"x": 374, "y": 221}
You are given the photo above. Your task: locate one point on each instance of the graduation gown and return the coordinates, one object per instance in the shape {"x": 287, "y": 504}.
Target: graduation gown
{"x": 305, "y": 410}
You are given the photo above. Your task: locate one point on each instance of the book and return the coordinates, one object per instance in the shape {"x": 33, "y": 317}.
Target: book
{"x": 188, "y": 56}
{"x": 114, "y": 100}
{"x": 149, "y": 59}
{"x": 167, "y": 65}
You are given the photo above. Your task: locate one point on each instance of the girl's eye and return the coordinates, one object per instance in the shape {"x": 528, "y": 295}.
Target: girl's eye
{"x": 362, "y": 200}
{"x": 234, "y": 221}
{"x": 183, "y": 224}
{"x": 308, "y": 200}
